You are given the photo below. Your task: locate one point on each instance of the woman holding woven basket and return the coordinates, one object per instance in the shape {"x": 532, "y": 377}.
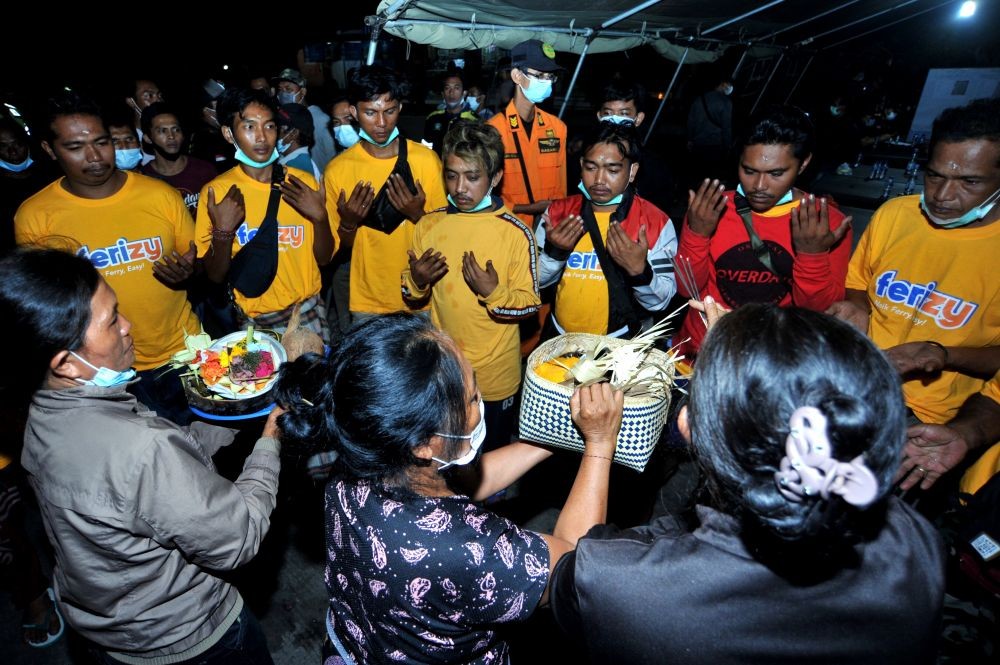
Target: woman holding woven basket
{"x": 418, "y": 571}
{"x": 799, "y": 553}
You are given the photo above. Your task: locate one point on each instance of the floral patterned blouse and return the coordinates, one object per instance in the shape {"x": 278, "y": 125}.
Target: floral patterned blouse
{"x": 418, "y": 579}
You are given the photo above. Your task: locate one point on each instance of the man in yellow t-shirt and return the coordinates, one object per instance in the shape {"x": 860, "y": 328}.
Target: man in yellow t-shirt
{"x": 232, "y": 207}
{"x": 477, "y": 263}
{"x": 922, "y": 284}
{"x": 134, "y": 229}
{"x": 355, "y": 177}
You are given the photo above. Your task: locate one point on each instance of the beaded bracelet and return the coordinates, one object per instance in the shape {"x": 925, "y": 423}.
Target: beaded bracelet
{"x": 218, "y": 234}
{"x": 940, "y": 346}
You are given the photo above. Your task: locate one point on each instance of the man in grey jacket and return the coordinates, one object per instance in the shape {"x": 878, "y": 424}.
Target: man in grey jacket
{"x": 140, "y": 521}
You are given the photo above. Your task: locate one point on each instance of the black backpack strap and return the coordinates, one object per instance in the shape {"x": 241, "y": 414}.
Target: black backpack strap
{"x": 758, "y": 246}
{"x": 524, "y": 169}
{"x": 254, "y": 267}
{"x": 382, "y": 215}
{"x": 620, "y": 302}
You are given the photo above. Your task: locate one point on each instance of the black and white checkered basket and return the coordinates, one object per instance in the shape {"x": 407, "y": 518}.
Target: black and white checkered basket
{"x": 545, "y": 416}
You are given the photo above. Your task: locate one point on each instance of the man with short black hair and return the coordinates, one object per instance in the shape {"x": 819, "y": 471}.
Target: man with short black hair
{"x": 623, "y": 101}
{"x": 134, "y": 229}
{"x": 919, "y": 285}
{"x": 162, "y": 131}
{"x": 378, "y": 230}
{"x": 455, "y": 107}
{"x": 233, "y": 209}
{"x": 767, "y": 241}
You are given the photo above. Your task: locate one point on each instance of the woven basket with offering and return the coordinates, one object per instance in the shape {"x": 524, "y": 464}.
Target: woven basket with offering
{"x": 558, "y": 366}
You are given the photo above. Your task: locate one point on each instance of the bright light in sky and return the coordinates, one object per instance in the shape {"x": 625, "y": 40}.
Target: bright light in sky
{"x": 226, "y": 67}
{"x": 967, "y": 9}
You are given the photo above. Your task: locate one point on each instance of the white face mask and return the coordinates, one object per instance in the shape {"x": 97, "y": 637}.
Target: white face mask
{"x": 476, "y": 439}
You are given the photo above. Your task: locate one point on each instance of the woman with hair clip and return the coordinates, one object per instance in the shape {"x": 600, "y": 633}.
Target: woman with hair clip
{"x": 417, "y": 571}
{"x": 799, "y": 552}
{"x": 140, "y": 522}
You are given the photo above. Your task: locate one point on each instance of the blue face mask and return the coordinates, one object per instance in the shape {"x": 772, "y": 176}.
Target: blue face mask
{"x": 787, "y": 198}
{"x": 128, "y": 159}
{"x": 17, "y": 168}
{"x": 482, "y": 205}
{"x": 287, "y": 97}
{"x": 244, "y": 158}
{"x": 392, "y": 137}
{"x": 346, "y": 135}
{"x": 104, "y": 377}
{"x": 473, "y": 103}
{"x": 282, "y": 147}
{"x": 973, "y": 215}
{"x": 613, "y": 202}
{"x": 476, "y": 439}
{"x": 537, "y": 91}
{"x": 618, "y": 119}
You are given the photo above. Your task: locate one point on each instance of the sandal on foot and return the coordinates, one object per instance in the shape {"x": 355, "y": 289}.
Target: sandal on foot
{"x": 44, "y": 624}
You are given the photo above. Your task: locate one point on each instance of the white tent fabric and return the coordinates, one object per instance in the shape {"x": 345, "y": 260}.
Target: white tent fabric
{"x": 505, "y": 23}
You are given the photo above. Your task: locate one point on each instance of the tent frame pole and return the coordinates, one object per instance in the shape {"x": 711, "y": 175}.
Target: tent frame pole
{"x": 768, "y": 82}
{"x": 742, "y": 16}
{"x": 886, "y": 25}
{"x": 666, "y": 95}
{"x": 739, "y": 65}
{"x": 808, "y": 20}
{"x": 799, "y": 79}
{"x": 629, "y": 12}
{"x": 576, "y": 73}
{"x": 809, "y": 40}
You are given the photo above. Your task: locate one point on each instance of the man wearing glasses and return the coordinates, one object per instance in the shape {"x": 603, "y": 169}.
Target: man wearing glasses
{"x": 534, "y": 141}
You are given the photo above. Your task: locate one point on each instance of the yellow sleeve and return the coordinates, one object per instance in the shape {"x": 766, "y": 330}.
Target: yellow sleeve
{"x": 311, "y": 182}
{"x": 992, "y": 388}
{"x": 27, "y": 229}
{"x": 516, "y": 295}
{"x": 183, "y": 224}
{"x": 429, "y": 171}
{"x": 202, "y": 222}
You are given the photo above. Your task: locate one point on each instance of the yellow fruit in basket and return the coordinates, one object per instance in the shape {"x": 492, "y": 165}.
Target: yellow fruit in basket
{"x": 555, "y": 369}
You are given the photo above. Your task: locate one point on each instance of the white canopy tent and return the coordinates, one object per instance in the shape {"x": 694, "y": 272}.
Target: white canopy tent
{"x": 684, "y": 31}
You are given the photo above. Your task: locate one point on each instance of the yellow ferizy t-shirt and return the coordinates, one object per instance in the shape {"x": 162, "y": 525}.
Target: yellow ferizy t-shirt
{"x": 582, "y": 301}
{"x": 123, "y": 235}
{"x": 298, "y": 273}
{"x": 486, "y": 329}
{"x": 928, "y": 283}
{"x": 378, "y": 258}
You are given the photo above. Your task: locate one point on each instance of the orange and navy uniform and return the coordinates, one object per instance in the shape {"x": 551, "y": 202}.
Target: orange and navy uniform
{"x": 544, "y": 152}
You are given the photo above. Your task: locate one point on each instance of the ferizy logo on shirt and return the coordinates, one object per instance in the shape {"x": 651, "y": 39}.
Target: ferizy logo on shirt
{"x": 585, "y": 262}
{"x": 124, "y": 251}
{"x": 948, "y": 311}
{"x": 291, "y": 236}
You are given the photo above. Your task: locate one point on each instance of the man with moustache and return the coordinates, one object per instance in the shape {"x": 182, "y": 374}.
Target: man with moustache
{"x": 134, "y": 229}
{"x": 162, "y": 132}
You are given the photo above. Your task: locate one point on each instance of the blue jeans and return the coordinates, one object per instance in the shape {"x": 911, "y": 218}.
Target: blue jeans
{"x": 243, "y": 644}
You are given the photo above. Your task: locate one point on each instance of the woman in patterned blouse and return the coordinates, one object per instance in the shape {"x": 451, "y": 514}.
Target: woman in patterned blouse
{"x": 417, "y": 570}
